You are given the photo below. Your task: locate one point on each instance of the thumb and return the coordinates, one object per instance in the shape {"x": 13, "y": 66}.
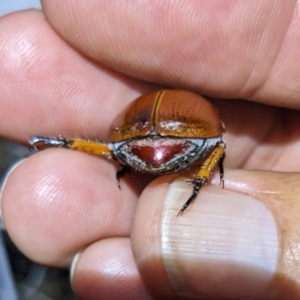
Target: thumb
{"x": 227, "y": 245}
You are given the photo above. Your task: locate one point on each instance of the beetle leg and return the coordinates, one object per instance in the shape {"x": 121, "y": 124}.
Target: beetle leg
{"x": 40, "y": 143}
{"x": 215, "y": 158}
{"x": 198, "y": 183}
{"x": 221, "y": 168}
{"x": 121, "y": 173}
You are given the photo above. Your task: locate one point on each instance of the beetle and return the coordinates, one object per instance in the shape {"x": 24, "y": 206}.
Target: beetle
{"x": 159, "y": 133}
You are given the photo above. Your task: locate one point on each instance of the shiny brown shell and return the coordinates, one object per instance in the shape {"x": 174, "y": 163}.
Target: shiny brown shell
{"x": 167, "y": 113}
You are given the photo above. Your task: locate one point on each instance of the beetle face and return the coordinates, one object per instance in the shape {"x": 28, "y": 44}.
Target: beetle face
{"x": 165, "y": 132}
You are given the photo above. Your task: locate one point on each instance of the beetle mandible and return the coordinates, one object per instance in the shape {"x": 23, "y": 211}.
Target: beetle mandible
{"x": 159, "y": 133}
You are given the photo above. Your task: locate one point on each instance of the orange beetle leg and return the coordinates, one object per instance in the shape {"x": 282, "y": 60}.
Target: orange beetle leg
{"x": 40, "y": 143}
{"x": 97, "y": 149}
{"x": 215, "y": 158}
{"x": 90, "y": 147}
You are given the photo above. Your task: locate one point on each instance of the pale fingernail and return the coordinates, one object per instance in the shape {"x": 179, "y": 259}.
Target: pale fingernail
{"x": 225, "y": 245}
{"x": 5, "y": 181}
{"x": 73, "y": 266}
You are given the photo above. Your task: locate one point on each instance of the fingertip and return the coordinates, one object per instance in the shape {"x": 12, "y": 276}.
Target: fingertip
{"x": 106, "y": 270}
{"x": 224, "y": 239}
{"x": 60, "y": 201}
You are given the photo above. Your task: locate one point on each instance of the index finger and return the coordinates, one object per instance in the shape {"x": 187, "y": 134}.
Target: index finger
{"x": 48, "y": 88}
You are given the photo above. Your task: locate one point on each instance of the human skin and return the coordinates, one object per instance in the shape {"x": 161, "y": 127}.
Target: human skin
{"x": 71, "y": 69}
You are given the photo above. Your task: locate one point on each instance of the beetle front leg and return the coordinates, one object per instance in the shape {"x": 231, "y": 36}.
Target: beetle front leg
{"x": 215, "y": 158}
{"x": 40, "y": 143}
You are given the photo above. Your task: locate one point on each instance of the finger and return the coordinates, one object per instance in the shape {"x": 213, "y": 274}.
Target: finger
{"x": 227, "y": 245}
{"x": 259, "y": 136}
{"x": 106, "y": 270}
{"x": 56, "y": 202}
{"x": 242, "y": 50}
{"x": 48, "y": 88}
{"x": 66, "y": 94}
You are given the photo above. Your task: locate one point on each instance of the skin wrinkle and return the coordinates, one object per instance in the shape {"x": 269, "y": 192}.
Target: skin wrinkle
{"x": 244, "y": 87}
{"x": 264, "y": 82}
{"x": 260, "y": 42}
{"x": 281, "y": 124}
{"x": 244, "y": 91}
{"x": 250, "y": 136}
{"x": 280, "y": 129}
{"x": 276, "y": 115}
{"x": 258, "y": 47}
{"x": 286, "y": 82}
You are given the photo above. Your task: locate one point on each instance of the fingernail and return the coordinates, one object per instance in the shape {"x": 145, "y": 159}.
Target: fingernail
{"x": 5, "y": 181}
{"x": 225, "y": 245}
{"x": 73, "y": 266}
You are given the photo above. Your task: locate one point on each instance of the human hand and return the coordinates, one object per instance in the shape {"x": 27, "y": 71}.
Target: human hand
{"x": 57, "y": 203}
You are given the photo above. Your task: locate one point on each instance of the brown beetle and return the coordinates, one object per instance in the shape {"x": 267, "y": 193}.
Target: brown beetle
{"x": 160, "y": 133}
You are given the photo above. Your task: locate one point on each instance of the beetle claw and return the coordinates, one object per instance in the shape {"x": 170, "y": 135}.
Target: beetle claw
{"x": 119, "y": 185}
{"x": 222, "y": 182}
{"x": 189, "y": 181}
{"x": 120, "y": 174}
{"x": 180, "y": 213}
